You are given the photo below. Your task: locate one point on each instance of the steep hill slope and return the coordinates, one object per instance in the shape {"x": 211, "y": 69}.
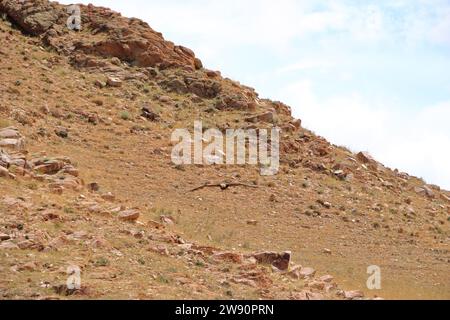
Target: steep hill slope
{"x": 86, "y": 180}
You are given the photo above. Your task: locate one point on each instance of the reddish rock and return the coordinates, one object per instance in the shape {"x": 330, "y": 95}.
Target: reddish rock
{"x": 307, "y": 296}
{"x": 129, "y": 215}
{"x": 108, "y": 197}
{"x": 268, "y": 117}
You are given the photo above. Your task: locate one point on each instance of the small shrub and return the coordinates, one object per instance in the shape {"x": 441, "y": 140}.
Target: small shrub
{"x": 102, "y": 262}
{"x": 125, "y": 115}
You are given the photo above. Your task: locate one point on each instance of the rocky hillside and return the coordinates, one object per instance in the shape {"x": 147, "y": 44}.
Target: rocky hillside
{"x": 87, "y": 182}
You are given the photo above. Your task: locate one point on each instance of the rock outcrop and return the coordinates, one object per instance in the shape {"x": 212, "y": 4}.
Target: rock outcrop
{"x": 111, "y": 35}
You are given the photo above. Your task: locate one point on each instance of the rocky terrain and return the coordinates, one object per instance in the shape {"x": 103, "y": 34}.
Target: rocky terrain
{"x": 87, "y": 181}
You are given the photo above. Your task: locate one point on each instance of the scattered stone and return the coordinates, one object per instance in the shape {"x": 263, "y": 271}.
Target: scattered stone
{"x": 296, "y": 123}
{"x": 63, "y": 290}
{"x": 71, "y": 170}
{"x": 317, "y": 285}
{"x": 325, "y": 204}
{"x": 424, "y": 191}
{"x": 50, "y": 167}
{"x": 445, "y": 198}
{"x": 175, "y": 85}
{"x": 204, "y": 88}
{"x": 62, "y": 132}
{"x": 155, "y": 225}
{"x": 165, "y": 99}
{"x": 49, "y": 216}
{"x": 100, "y": 84}
{"x": 93, "y": 187}
{"x": 364, "y": 157}
{"x": 8, "y": 245}
{"x": 108, "y": 197}
{"x": 252, "y": 222}
{"x": 268, "y": 117}
{"x": 116, "y": 61}
{"x": 149, "y": 115}
{"x": 228, "y": 257}
{"x": 351, "y": 295}
{"x": 167, "y": 220}
{"x": 13, "y": 144}
{"x": 9, "y": 133}
{"x": 280, "y": 261}
{"x": 129, "y": 215}
{"x": 114, "y": 82}
{"x": 307, "y": 296}
{"x": 212, "y": 74}
{"x": 26, "y": 244}
{"x": 160, "y": 249}
{"x": 326, "y": 279}
{"x": 294, "y": 273}
{"x": 4, "y": 173}
{"x": 30, "y": 266}
{"x": 65, "y": 182}
{"x": 4, "y": 237}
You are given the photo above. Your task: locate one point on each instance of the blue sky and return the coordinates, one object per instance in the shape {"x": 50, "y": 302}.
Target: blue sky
{"x": 369, "y": 75}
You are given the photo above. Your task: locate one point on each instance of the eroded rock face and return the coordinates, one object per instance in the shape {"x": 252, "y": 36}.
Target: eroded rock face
{"x": 11, "y": 139}
{"x": 280, "y": 261}
{"x": 130, "y": 40}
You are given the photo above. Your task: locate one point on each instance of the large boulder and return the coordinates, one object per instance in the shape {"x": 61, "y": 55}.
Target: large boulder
{"x": 281, "y": 261}
{"x": 268, "y": 117}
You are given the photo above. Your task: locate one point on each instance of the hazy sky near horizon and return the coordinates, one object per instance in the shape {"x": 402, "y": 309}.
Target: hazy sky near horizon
{"x": 372, "y": 75}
